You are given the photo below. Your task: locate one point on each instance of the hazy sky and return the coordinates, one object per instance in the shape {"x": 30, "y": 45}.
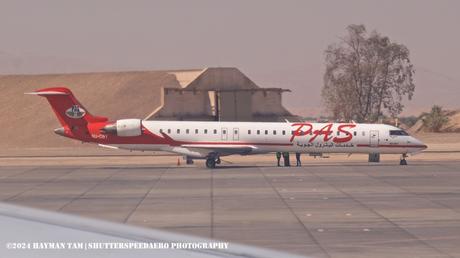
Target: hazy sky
{"x": 276, "y": 43}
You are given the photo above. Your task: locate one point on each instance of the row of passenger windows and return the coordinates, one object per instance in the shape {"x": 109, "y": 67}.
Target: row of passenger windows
{"x": 283, "y": 132}
{"x": 187, "y": 131}
{"x": 266, "y": 132}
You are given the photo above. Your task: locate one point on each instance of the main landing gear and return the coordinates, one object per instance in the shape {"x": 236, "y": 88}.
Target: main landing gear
{"x": 403, "y": 161}
{"x": 212, "y": 161}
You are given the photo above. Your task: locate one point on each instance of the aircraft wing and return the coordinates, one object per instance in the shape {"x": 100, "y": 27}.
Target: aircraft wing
{"x": 222, "y": 149}
{"x": 28, "y": 232}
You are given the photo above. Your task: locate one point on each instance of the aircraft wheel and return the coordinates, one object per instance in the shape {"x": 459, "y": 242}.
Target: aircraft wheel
{"x": 210, "y": 163}
{"x": 218, "y": 161}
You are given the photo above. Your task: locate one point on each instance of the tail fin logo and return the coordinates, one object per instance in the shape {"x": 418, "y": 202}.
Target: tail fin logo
{"x": 75, "y": 112}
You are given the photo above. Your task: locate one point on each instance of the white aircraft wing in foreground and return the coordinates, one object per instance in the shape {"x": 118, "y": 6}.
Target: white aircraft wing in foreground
{"x": 25, "y": 232}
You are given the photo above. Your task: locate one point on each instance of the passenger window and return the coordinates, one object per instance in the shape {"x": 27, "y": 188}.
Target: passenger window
{"x": 258, "y": 131}
{"x": 292, "y": 132}
{"x": 187, "y": 131}
{"x": 284, "y": 132}
{"x": 196, "y": 131}
{"x": 364, "y": 133}
{"x": 161, "y": 130}
{"x": 338, "y": 133}
{"x": 266, "y": 131}
{"x": 354, "y": 133}
{"x": 215, "y": 131}
{"x": 274, "y": 132}
{"x": 169, "y": 130}
{"x": 224, "y": 131}
{"x": 178, "y": 131}
{"x": 205, "y": 131}
{"x": 249, "y": 131}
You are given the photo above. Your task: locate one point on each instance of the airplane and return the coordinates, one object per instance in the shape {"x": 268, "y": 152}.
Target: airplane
{"x": 211, "y": 140}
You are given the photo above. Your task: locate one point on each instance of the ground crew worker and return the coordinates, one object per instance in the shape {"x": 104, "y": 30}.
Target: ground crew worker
{"x": 278, "y": 157}
{"x": 286, "y": 159}
{"x": 297, "y": 157}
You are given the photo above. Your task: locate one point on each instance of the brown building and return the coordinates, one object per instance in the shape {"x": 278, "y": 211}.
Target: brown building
{"x": 221, "y": 94}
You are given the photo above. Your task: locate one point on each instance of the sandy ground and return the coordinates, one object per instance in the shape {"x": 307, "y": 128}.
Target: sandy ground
{"x": 440, "y": 141}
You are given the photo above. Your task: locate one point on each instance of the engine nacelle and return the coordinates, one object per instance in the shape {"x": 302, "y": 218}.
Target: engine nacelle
{"x": 125, "y": 128}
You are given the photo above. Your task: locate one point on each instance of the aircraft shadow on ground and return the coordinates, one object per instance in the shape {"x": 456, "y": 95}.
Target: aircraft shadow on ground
{"x": 234, "y": 166}
{"x": 319, "y": 165}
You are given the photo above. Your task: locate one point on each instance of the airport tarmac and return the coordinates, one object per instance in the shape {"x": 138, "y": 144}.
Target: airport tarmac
{"x": 323, "y": 209}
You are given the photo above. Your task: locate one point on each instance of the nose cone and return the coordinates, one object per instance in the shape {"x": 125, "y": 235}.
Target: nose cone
{"x": 420, "y": 145}
{"x": 60, "y": 131}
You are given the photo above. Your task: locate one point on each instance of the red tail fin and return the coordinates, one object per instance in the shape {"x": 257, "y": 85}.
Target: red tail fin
{"x": 67, "y": 108}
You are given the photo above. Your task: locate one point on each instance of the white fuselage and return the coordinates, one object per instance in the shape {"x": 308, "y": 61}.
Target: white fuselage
{"x": 198, "y": 139}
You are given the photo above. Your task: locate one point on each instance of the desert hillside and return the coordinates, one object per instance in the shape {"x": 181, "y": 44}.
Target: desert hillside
{"x": 28, "y": 121}
{"x": 453, "y": 126}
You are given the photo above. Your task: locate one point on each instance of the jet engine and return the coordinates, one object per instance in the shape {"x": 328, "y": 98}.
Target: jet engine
{"x": 124, "y": 128}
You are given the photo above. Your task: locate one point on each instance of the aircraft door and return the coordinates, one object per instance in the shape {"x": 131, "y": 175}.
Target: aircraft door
{"x": 236, "y": 134}
{"x": 373, "y": 138}
{"x": 224, "y": 133}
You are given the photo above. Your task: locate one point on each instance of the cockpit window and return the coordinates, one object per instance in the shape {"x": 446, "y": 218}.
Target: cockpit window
{"x": 398, "y": 132}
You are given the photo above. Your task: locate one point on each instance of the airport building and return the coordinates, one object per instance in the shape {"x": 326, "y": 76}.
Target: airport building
{"x": 219, "y": 94}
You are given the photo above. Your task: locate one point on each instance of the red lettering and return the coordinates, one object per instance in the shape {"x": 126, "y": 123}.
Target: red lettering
{"x": 298, "y": 131}
{"x": 348, "y": 136}
{"x": 326, "y": 131}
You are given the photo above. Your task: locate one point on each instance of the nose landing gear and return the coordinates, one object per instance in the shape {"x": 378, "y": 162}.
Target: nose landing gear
{"x": 403, "y": 161}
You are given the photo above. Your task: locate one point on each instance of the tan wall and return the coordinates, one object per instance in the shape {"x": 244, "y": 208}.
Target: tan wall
{"x": 184, "y": 104}
{"x": 267, "y": 103}
{"x": 184, "y": 77}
